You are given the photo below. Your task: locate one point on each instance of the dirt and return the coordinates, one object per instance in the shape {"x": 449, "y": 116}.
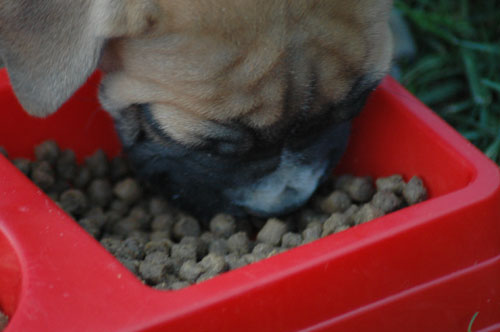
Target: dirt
{"x": 169, "y": 249}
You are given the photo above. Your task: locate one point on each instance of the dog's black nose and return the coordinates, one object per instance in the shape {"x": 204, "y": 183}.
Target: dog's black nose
{"x": 267, "y": 179}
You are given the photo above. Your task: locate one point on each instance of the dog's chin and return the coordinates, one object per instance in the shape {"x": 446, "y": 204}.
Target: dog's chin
{"x": 205, "y": 183}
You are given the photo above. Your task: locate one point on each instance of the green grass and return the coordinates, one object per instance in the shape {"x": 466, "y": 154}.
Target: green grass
{"x": 469, "y": 329}
{"x": 456, "y": 71}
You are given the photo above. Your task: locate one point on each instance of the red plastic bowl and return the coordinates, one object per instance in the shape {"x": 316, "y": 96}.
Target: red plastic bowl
{"x": 429, "y": 267}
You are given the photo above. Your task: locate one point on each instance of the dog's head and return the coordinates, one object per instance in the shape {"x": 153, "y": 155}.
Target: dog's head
{"x": 236, "y": 105}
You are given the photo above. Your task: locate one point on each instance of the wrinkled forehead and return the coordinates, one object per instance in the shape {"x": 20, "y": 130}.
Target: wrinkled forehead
{"x": 258, "y": 62}
{"x": 236, "y": 18}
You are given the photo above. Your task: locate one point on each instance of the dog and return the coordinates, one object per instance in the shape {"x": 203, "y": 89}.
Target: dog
{"x": 242, "y": 106}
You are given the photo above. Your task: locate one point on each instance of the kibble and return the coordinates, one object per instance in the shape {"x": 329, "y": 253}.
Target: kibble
{"x": 272, "y": 232}
{"x": 74, "y": 201}
{"x": 190, "y": 271}
{"x": 386, "y": 201}
{"x": 332, "y": 224}
{"x": 291, "y": 240}
{"x": 66, "y": 165}
{"x": 223, "y": 225}
{"x": 154, "y": 267}
{"x": 163, "y": 222}
{"x": 366, "y": 213}
{"x": 312, "y": 232}
{"x": 23, "y": 164}
{"x": 98, "y": 164}
{"x": 100, "y": 192}
{"x": 118, "y": 168}
{"x": 360, "y": 189}
{"x": 337, "y": 201}
{"x": 83, "y": 177}
{"x": 47, "y": 151}
{"x": 186, "y": 226}
{"x": 393, "y": 183}
{"x": 128, "y": 190}
{"x": 239, "y": 243}
{"x": 184, "y": 251}
{"x": 213, "y": 264}
{"x": 414, "y": 191}
{"x": 43, "y": 175}
{"x": 219, "y": 247}
{"x": 4, "y": 320}
{"x": 168, "y": 248}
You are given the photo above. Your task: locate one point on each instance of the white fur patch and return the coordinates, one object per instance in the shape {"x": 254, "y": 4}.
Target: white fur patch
{"x": 290, "y": 185}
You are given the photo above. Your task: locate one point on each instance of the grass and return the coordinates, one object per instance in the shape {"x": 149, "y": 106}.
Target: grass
{"x": 456, "y": 71}
{"x": 469, "y": 329}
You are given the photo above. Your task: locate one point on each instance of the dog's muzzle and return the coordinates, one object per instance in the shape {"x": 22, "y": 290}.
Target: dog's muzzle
{"x": 271, "y": 178}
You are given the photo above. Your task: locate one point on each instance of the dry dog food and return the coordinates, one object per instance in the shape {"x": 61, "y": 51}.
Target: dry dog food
{"x": 4, "y": 320}
{"x": 168, "y": 248}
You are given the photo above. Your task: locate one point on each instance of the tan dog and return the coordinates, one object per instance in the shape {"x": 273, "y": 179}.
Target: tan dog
{"x": 235, "y": 105}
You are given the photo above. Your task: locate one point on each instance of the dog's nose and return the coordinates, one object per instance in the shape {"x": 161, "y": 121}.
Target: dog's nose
{"x": 263, "y": 183}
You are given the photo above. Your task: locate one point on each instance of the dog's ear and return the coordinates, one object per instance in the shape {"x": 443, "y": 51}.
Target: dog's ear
{"x": 50, "y": 47}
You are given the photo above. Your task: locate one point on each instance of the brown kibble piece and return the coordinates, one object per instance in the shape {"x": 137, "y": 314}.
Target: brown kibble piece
{"x": 234, "y": 261}
{"x": 4, "y": 320}
{"x": 154, "y": 267}
{"x": 131, "y": 264}
{"x": 366, "y": 213}
{"x": 92, "y": 225}
{"x": 119, "y": 206}
{"x": 213, "y": 264}
{"x": 239, "y": 243}
{"x": 126, "y": 226}
{"x": 162, "y": 245}
{"x": 332, "y": 224}
{"x": 337, "y": 201}
{"x": 394, "y": 183}
{"x": 360, "y": 189}
{"x": 47, "y": 151}
{"x": 23, "y": 164}
{"x": 82, "y": 177}
{"x": 66, "y": 165}
{"x": 179, "y": 285}
{"x": 73, "y": 201}
{"x": 100, "y": 192}
{"x": 190, "y": 271}
{"x": 163, "y": 222}
{"x": 272, "y": 232}
{"x": 43, "y": 175}
{"x": 219, "y": 247}
{"x": 186, "y": 226}
{"x": 158, "y": 205}
{"x": 312, "y": 232}
{"x": 263, "y": 250}
{"x": 223, "y": 225}
{"x": 98, "y": 163}
{"x": 118, "y": 168}
{"x": 386, "y": 201}
{"x": 130, "y": 248}
{"x": 127, "y": 190}
{"x": 343, "y": 181}
{"x": 183, "y": 251}
{"x": 159, "y": 235}
{"x": 201, "y": 246}
{"x": 111, "y": 244}
{"x": 414, "y": 191}
{"x": 291, "y": 240}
